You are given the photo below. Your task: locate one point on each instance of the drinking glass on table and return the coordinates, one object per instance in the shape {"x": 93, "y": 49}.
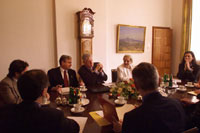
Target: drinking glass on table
{"x": 171, "y": 91}
{"x": 84, "y": 95}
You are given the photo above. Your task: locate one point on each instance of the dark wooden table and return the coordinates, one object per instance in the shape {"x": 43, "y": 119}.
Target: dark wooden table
{"x": 91, "y": 126}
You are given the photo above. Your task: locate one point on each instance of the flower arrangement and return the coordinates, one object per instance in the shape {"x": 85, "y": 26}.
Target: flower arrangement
{"x": 125, "y": 88}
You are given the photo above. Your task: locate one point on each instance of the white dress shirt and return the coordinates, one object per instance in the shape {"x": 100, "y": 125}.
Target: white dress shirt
{"x": 123, "y": 73}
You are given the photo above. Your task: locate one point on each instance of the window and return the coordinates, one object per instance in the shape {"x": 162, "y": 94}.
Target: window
{"x": 195, "y": 33}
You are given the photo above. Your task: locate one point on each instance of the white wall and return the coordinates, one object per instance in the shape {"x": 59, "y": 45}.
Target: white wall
{"x": 109, "y": 13}
{"x": 67, "y": 32}
{"x": 135, "y": 12}
{"x": 27, "y": 33}
{"x": 27, "y": 30}
{"x": 177, "y": 11}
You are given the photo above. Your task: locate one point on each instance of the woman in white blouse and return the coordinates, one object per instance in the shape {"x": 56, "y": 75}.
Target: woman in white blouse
{"x": 124, "y": 71}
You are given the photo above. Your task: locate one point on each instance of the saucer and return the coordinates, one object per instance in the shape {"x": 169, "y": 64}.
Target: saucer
{"x": 46, "y": 103}
{"x": 83, "y": 90}
{"x": 179, "y": 89}
{"x": 186, "y": 85}
{"x": 79, "y": 111}
{"x": 85, "y": 101}
{"x": 120, "y": 103}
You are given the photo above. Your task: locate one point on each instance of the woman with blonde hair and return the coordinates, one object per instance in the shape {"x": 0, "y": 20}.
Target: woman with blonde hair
{"x": 124, "y": 71}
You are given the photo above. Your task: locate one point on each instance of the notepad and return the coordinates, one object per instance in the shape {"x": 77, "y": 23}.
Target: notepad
{"x": 65, "y": 90}
{"x": 122, "y": 110}
{"x": 80, "y": 120}
{"x": 100, "y": 120}
{"x": 192, "y": 93}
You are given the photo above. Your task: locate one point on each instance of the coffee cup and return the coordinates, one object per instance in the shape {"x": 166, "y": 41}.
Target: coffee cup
{"x": 64, "y": 101}
{"x": 58, "y": 100}
{"x": 77, "y": 107}
{"x": 182, "y": 87}
{"x": 189, "y": 83}
{"x": 121, "y": 99}
{"x": 82, "y": 87}
{"x": 44, "y": 100}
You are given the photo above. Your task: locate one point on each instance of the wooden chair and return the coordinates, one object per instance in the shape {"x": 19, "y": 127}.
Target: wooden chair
{"x": 192, "y": 130}
{"x": 114, "y": 75}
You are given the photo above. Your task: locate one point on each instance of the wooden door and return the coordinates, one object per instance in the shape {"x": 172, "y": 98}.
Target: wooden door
{"x": 161, "y": 49}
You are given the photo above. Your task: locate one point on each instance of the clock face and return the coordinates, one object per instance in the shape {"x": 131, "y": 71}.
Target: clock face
{"x": 86, "y": 27}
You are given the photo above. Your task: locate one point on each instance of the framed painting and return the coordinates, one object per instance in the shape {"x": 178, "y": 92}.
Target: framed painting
{"x": 86, "y": 46}
{"x": 130, "y": 39}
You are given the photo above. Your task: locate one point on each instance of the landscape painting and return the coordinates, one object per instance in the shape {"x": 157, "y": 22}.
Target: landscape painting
{"x": 130, "y": 39}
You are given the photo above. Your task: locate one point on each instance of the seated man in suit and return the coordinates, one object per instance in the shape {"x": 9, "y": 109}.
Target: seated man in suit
{"x": 92, "y": 75}
{"x": 29, "y": 116}
{"x": 157, "y": 114}
{"x": 8, "y": 86}
{"x": 63, "y": 76}
{"x": 192, "y": 110}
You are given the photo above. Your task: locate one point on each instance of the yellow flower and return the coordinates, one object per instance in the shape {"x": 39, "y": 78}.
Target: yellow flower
{"x": 112, "y": 89}
{"x": 119, "y": 90}
{"x": 129, "y": 88}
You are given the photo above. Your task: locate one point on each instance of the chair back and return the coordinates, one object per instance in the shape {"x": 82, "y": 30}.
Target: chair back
{"x": 114, "y": 75}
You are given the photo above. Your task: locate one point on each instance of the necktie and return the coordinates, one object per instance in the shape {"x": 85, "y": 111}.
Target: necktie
{"x": 66, "y": 83}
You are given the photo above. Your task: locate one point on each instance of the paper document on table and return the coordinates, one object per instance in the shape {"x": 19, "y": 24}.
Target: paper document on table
{"x": 122, "y": 110}
{"x": 65, "y": 90}
{"x": 100, "y": 113}
{"x": 192, "y": 93}
{"x": 81, "y": 121}
{"x": 176, "y": 80}
{"x": 194, "y": 100}
{"x": 109, "y": 84}
{"x": 98, "y": 117}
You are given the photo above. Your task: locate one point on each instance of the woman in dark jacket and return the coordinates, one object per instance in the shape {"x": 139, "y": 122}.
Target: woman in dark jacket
{"x": 188, "y": 69}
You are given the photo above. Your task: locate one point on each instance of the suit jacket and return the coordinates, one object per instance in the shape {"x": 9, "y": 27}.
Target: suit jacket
{"x": 8, "y": 91}
{"x": 55, "y": 77}
{"x": 188, "y": 75}
{"x": 91, "y": 78}
{"x": 193, "y": 118}
{"x": 32, "y": 118}
{"x": 157, "y": 114}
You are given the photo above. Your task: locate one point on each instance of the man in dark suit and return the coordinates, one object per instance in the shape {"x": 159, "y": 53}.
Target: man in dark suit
{"x": 192, "y": 111}
{"x": 29, "y": 116}
{"x": 92, "y": 76}
{"x": 157, "y": 114}
{"x": 63, "y": 76}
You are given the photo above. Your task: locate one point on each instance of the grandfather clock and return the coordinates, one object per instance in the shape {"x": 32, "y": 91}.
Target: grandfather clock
{"x": 86, "y": 32}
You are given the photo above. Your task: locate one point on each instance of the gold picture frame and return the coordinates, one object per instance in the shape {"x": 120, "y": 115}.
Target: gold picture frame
{"x": 86, "y": 46}
{"x": 130, "y": 39}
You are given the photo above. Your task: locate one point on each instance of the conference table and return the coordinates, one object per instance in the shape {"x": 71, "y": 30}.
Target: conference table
{"x": 91, "y": 126}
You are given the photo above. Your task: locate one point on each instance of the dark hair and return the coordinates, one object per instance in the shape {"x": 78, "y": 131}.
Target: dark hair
{"x": 31, "y": 84}
{"x": 194, "y": 59}
{"x": 63, "y": 58}
{"x": 16, "y": 66}
{"x": 146, "y": 76}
